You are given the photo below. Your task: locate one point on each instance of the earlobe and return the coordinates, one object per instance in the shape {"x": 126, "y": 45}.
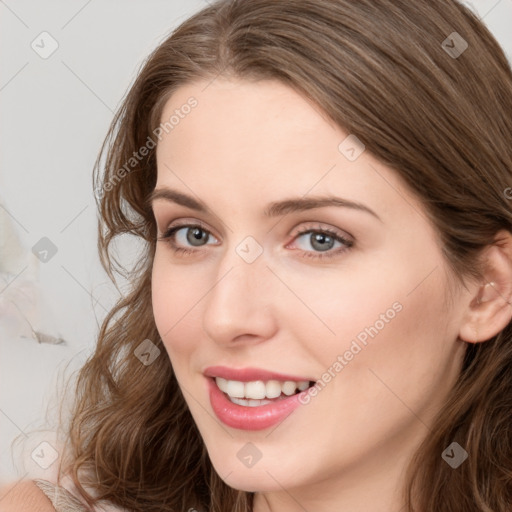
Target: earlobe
{"x": 490, "y": 310}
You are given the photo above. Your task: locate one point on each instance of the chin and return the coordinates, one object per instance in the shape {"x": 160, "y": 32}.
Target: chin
{"x": 251, "y": 479}
{"x": 269, "y": 471}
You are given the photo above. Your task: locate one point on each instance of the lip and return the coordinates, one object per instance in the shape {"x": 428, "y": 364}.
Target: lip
{"x": 250, "y": 418}
{"x": 250, "y": 374}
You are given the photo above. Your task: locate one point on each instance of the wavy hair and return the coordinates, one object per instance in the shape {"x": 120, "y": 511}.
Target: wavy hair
{"x": 443, "y": 122}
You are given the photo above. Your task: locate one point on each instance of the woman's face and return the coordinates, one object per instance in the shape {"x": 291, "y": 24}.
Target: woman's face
{"x": 281, "y": 282}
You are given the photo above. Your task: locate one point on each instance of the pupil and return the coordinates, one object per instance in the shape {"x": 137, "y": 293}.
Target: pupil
{"x": 321, "y": 241}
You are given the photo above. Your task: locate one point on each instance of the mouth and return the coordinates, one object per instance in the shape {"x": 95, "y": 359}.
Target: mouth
{"x": 258, "y": 392}
{"x": 252, "y": 399}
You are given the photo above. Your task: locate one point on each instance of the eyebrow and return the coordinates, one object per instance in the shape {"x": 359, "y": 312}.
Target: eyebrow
{"x": 274, "y": 209}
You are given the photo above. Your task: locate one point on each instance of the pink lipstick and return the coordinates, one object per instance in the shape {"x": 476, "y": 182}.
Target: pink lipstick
{"x": 250, "y": 413}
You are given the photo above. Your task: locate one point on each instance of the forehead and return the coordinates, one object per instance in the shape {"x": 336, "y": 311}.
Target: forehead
{"x": 260, "y": 129}
{"x": 235, "y": 115}
{"x": 263, "y": 140}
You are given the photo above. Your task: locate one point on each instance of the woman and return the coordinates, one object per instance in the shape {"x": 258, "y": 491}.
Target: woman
{"x": 321, "y": 312}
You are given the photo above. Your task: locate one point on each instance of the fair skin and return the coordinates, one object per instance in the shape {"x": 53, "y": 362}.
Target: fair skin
{"x": 250, "y": 144}
{"x": 24, "y": 495}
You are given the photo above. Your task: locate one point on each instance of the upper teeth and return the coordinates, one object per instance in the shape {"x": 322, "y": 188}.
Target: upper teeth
{"x": 259, "y": 389}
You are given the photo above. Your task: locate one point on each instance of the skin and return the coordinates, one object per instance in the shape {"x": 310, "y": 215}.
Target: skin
{"x": 247, "y": 144}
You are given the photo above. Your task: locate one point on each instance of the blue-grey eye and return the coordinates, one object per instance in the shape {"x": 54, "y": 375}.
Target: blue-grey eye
{"x": 194, "y": 236}
{"x": 319, "y": 241}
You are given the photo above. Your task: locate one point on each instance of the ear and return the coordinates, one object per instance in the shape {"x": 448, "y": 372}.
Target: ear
{"x": 490, "y": 309}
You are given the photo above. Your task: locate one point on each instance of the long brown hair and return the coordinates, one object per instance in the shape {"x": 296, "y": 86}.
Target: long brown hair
{"x": 442, "y": 121}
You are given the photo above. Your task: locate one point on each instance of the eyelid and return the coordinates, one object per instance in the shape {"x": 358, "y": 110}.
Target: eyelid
{"x": 305, "y": 227}
{"x": 302, "y": 229}
{"x": 347, "y": 242}
{"x": 183, "y": 223}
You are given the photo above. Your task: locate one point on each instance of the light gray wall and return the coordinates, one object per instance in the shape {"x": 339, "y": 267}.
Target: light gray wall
{"x": 54, "y": 113}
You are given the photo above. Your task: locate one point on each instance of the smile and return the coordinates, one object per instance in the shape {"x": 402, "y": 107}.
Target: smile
{"x": 248, "y": 403}
{"x": 258, "y": 392}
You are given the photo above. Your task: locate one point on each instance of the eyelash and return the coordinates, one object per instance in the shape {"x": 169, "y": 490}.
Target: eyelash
{"x": 168, "y": 237}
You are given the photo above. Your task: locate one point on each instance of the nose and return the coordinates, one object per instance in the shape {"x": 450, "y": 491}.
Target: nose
{"x": 240, "y": 305}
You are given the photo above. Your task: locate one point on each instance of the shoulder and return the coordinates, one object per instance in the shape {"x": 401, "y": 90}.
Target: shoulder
{"x": 24, "y": 495}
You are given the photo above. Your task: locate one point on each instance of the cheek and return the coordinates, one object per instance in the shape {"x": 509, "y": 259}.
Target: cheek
{"x": 176, "y": 296}
{"x": 396, "y": 349}
{"x": 337, "y": 305}
{"x": 389, "y": 315}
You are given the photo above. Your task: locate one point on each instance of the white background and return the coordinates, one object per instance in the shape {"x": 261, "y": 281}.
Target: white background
{"x": 54, "y": 115}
